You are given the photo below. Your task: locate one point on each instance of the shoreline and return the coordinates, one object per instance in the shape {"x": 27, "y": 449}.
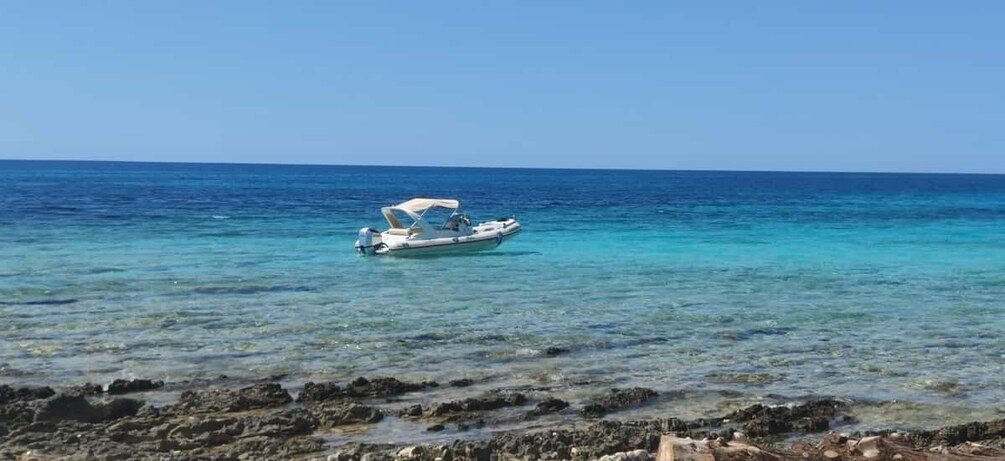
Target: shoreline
{"x": 233, "y": 419}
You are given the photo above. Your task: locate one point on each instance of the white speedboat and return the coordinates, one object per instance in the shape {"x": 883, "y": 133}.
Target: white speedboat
{"x": 420, "y": 237}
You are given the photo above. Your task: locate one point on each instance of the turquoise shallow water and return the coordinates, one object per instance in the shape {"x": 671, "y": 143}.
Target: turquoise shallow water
{"x": 871, "y": 287}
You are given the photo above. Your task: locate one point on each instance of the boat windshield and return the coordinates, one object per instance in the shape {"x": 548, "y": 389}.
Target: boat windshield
{"x": 438, "y": 217}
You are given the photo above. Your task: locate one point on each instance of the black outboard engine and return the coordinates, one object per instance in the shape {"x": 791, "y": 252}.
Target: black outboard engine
{"x": 368, "y": 241}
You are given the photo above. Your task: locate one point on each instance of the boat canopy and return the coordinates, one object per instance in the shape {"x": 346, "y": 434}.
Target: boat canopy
{"x": 415, "y": 208}
{"x": 419, "y": 205}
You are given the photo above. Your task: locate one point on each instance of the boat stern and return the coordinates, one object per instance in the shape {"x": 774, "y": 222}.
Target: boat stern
{"x": 368, "y": 241}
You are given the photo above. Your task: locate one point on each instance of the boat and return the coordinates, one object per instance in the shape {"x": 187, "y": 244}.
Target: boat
{"x": 422, "y": 237}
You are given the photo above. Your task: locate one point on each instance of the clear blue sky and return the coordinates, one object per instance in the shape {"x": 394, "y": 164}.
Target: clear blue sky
{"x": 836, "y": 86}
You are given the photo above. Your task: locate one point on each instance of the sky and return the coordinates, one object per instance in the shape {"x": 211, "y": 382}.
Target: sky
{"x": 916, "y": 86}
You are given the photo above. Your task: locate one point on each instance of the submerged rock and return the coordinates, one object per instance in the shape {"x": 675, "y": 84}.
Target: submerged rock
{"x": 751, "y": 379}
{"x": 617, "y": 399}
{"x": 547, "y": 406}
{"x": 121, "y": 386}
{"x": 553, "y": 351}
{"x": 476, "y": 404}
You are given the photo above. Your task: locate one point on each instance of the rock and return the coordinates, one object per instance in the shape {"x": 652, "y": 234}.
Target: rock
{"x": 121, "y": 386}
{"x": 955, "y": 435}
{"x": 634, "y": 455}
{"x": 77, "y": 408}
{"x": 84, "y": 389}
{"x": 435, "y": 428}
{"x": 616, "y": 400}
{"x": 412, "y": 452}
{"x": 831, "y": 454}
{"x": 593, "y": 411}
{"x": 741, "y": 451}
{"x": 464, "y": 382}
{"x": 553, "y": 351}
{"x": 360, "y": 388}
{"x": 320, "y": 392}
{"x": 869, "y": 446}
{"x": 547, "y": 406}
{"x": 673, "y": 448}
{"x": 477, "y": 404}
{"x": 24, "y": 394}
{"x": 341, "y": 413}
{"x": 413, "y": 411}
{"x": 761, "y": 420}
{"x": 262, "y": 395}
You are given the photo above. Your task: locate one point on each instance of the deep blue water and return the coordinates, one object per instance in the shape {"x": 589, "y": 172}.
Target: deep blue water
{"x": 873, "y": 287}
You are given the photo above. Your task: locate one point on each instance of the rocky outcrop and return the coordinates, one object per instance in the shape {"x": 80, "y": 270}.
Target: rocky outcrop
{"x": 78, "y": 408}
{"x": 9, "y": 394}
{"x": 475, "y": 405}
{"x": 360, "y": 388}
{"x": 761, "y": 420}
{"x": 547, "y": 406}
{"x": 954, "y": 435}
{"x": 331, "y": 414}
{"x": 263, "y": 395}
{"x": 121, "y": 386}
{"x": 617, "y": 399}
{"x": 258, "y": 422}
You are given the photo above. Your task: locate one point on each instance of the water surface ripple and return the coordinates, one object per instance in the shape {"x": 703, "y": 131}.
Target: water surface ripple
{"x": 874, "y": 287}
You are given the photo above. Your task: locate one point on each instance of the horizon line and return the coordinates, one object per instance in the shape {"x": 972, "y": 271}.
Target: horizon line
{"x": 163, "y": 162}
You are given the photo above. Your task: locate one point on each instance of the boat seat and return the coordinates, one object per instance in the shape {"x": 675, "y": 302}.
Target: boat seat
{"x": 403, "y": 231}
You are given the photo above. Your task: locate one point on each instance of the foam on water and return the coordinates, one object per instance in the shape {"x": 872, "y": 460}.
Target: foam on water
{"x": 874, "y": 288}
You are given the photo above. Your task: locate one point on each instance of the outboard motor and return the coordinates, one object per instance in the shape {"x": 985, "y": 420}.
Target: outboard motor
{"x": 368, "y": 240}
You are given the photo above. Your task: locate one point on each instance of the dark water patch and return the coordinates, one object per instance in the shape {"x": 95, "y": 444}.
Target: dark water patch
{"x": 41, "y": 302}
{"x": 58, "y": 209}
{"x": 104, "y": 270}
{"x": 740, "y": 335}
{"x": 429, "y": 337}
{"x": 948, "y": 388}
{"x": 252, "y": 289}
{"x": 227, "y": 356}
{"x": 750, "y": 379}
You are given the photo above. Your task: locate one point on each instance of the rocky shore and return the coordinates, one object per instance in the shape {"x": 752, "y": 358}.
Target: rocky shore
{"x": 263, "y": 420}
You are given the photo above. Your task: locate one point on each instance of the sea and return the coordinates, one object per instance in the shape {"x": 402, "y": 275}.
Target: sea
{"x": 718, "y": 289}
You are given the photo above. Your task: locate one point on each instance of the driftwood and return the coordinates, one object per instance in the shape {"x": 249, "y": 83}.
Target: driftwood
{"x": 833, "y": 448}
